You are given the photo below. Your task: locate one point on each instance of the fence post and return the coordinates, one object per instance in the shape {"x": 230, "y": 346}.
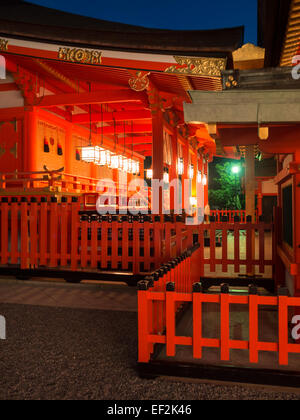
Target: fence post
{"x": 179, "y": 242}
{"x": 158, "y": 229}
{"x": 53, "y": 232}
{"x": 4, "y": 230}
{"x": 125, "y": 242}
{"x": 253, "y": 324}
{"x": 197, "y": 320}
{"x": 74, "y": 233}
{"x": 170, "y": 320}
{"x": 33, "y": 231}
{"x": 283, "y": 326}
{"x": 84, "y": 222}
{"x": 14, "y": 231}
{"x": 136, "y": 246}
{"x": 94, "y": 241}
{"x": 64, "y": 231}
{"x": 24, "y": 233}
{"x": 44, "y": 232}
{"x": 143, "y": 322}
{"x": 225, "y": 330}
{"x": 147, "y": 244}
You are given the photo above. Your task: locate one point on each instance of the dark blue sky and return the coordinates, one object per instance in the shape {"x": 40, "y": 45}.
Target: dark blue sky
{"x": 169, "y": 14}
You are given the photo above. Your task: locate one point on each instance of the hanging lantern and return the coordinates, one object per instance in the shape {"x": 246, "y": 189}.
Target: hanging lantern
{"x": 199, "y": 177}
{"x": 114, "y": 162}
{"x": 149, "y": 173}
{"x": 104, "y": 158}
{"x": 91, "y": 154}
{"x": 166, "y": 176}
{"x": 180, "y": 166}
{"x": 126, "y": 165}
{"x": 135, "y": 167}
{"x": 193, "y": 201}
{"x": 191, "y": 171}
{"x": 204, "y": 180}
{"x": 129, "y": 166}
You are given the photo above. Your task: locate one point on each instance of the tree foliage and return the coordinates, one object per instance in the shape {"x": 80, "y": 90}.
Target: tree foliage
{"x": 227, "y": 193}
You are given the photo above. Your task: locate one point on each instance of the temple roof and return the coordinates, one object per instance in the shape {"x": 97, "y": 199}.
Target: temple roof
{"x": 273, "y": 16}
{"x": 25, "y": 20}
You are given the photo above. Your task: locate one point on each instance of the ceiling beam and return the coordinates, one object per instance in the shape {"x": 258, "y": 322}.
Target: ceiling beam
{"x": 89, "y": 98}
{"x": 113, "y": 116}
{"x": 274, "y": 144}
{"x": 143, "y": 148}
{"x": 119, "y": 129}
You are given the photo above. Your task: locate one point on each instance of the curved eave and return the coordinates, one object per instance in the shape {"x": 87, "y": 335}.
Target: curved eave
{"x": 23, "y": 20}
{"x": 166, "y": 43}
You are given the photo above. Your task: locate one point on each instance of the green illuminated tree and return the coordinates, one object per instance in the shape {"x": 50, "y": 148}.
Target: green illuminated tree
{"x": 227, "y": 191}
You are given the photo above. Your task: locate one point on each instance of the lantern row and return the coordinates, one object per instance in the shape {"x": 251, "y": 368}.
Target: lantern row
{"x": 103, "y": 157}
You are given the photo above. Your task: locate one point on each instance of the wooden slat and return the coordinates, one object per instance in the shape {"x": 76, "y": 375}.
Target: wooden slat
{"x": 104, "y": 244}
{"x": 64, "y": 233}
{"x": 253, "y": 329}
{"x": 225, "y": 248}
{"x": 170, "y": 324}
{"x": 24, "y": 235}
{"x": 33, "y": 219}
{"x": 14, "y": 233}
{"x": 114, "y": 245}
{"x": 94, "y": 243}
{"x": 4, "y": 233}
{"x": 224, "y": 313}
{"x": 43, "y": 233}
{"x": 125, "y": 245}
{"x": 53, "y": 234}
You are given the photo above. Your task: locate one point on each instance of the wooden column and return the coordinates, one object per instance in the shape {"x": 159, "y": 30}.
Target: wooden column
{"x": 297, "y": 225}
{"x": 31, "y": 141}
{"x": 157, "y": 138}
{"x": 70, "y": 153}
{"x": 250, "y": 192}
{"x": 250, "y": 181}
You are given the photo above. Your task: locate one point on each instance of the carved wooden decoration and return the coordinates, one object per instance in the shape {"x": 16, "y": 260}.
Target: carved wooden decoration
{"x": 78, "y": 55}
{"x": 200, "y": 66}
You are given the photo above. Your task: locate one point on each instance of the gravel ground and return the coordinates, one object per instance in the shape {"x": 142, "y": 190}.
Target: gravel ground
{"x": 58, "y": 353}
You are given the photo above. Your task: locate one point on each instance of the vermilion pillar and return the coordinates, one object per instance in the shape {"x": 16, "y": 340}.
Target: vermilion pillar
{"x": 250, "y": 181}
{"x": 157, "y": 139}
{"x": 250, "y": 191}
{"x": 30, "y": 140}
{"x": 297, "y": 223}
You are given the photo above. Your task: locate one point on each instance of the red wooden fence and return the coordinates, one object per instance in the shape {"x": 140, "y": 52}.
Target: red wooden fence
{"x": 230, "y": 235}
{"x": 230, "y": 215}
{"x": 43, "y": 233}
{"x": 158, "y": 305}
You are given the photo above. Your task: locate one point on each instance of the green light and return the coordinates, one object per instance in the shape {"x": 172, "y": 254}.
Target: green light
{"x": 236, "y": 169}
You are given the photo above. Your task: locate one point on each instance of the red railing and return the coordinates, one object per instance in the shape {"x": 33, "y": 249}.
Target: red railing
{"x": 43, "y": 233}
{"x": 230, "y": 215}
{"x": 159, "y": 303}
{"x": 45, "y": 181}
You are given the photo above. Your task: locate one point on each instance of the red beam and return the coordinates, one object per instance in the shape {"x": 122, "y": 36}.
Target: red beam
{"x": 143, "y": 148}
{"x": 138, "y": 140}
{"x": 111, "y": 116}
{"x": 135, "y": 128}
{"x": 282, "y": 140}
{"x": 98, "y": 97}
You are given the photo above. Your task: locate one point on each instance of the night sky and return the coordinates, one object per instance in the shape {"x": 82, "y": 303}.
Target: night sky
{"x": 168, "y": 14}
